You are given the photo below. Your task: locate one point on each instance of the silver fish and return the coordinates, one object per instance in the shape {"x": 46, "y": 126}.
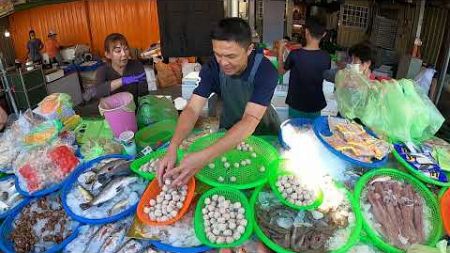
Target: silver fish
{"x": 115, "y": 240}
{"x": 85, "y": 193}
{"x": 118, "y": 207}
{"x": 109, "y": 192}
{"x": 97, "y": 240}
{"x": 121, "y": 168}
{"x": 14, "y": 199}
{"x": 131, "y": 246}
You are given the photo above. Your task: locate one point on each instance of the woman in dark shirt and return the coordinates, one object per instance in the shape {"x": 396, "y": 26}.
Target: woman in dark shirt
{"x": 120, "y": 73}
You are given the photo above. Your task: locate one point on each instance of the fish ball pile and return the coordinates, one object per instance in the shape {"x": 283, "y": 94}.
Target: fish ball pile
{"x": 294, "y": 191}
{"x": 167, "y": 204}
{"x": 151, "y": 166}
{"x": 224, "y": 222}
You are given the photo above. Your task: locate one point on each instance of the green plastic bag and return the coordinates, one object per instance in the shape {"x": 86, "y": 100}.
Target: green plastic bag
{"x": 154, "y": 109}
{"x": 396, "y": 109}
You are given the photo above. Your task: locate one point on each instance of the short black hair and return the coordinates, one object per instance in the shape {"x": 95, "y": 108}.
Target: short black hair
{"x": 287, "y": 38}
{"x": 362, "y": 51}
{"x": 233, "y": 29}
{"x": 31, "y": 31}
{"x": 315, "y": 27}
{"x": 114, "y": 37}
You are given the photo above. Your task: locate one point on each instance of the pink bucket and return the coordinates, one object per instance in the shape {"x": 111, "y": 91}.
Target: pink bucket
{"x": 118, "y": 110}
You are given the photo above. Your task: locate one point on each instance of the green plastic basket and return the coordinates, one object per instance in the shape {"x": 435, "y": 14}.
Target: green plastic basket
{"x": 246, "y": 177}
{"x": 352, "y": 240}
{"x": 282, "y": 171}
{"x": 92, "y": 129}
{"x": 156, "y": 134}
{"x": 428, "y": 196}
{"x": 137, "y": 164}
{"x": 230, "y": 194}
{"x": 418, "y": 174}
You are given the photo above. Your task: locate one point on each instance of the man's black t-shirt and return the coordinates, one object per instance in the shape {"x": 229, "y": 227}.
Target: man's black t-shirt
{"x": 306, "y": 79}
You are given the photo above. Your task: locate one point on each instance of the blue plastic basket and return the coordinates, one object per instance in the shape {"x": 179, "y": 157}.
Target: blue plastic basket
{"x": 12, "y": 210}
{"x": 321, "y": 129}
{"x": 165, "y": 247}
{"x": 295, "y": 122}
{"x": 68, "y": 186}
{"x": 7, "y": 246}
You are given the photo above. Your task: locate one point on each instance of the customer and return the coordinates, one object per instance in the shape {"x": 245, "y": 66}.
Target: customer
{"x": 361, "y": 55}
{"x": 307, "y": 65}
{"x": 34, "y": 47}
{"x": 120, "y": 73}
{"x": 52, "y": 48}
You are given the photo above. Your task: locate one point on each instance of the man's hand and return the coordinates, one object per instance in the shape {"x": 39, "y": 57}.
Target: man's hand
{"x": 166, "y": 164}
{"x": 190, "y": 165}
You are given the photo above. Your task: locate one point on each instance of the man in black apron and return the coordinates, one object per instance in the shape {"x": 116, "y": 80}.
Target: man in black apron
{"x": 245, "y": 81}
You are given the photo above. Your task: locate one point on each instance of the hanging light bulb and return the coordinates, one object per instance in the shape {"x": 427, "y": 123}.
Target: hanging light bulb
{"x": 7, "y": 34}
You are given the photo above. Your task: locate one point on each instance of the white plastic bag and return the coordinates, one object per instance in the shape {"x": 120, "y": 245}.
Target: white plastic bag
{"x": 424, "y": 78}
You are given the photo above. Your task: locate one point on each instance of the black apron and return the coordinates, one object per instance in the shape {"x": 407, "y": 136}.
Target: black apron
{"x": 236, "y": 93}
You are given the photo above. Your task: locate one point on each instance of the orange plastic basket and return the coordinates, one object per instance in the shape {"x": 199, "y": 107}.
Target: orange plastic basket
{"x": 445, "y": 210}
{"x": 152, "y": 191}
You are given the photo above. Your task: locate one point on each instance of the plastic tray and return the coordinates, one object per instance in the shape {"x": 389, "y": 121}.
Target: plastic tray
{"x": 136, "y": 164}
{"x": 92, "y": 128}
{"x": 166, "y": 247}
{"x": 281, "y": 171}
{"x": 416, "y": 172}
{"x": 18, "y": 206}
{"x": 428, "y": 196}
{"x": 352, "y": 240}
{"x": 7, "y": 246}
{"x": 246, "y": 178}
{"x": 321, "y": 129}
{"x": 444, "y": 200}
{"x": 295, "y": 122}
{"x": 156, "y": 134}
{"x": 152, "y": 191}
{"x": 230, "y": 194}
{"x": 73, "y": 179}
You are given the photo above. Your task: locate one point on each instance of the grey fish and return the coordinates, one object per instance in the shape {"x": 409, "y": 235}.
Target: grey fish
{"x": 115, "y": 240}
{"x": 98, "y": 238}
{"x": 131, "y": 246}
{"x": 121, "y": 168}
{"x": 109, "y": 192}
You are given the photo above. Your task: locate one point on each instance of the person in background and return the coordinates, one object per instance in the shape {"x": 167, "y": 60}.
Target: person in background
{"x": 245, "y": 81}
{"x": 120, "y": 73}
{"x": 307, "y": 65}
{"x": 52, "y": 48}
{"x": 34, "y": 47}
{"x": 361, "y": 54}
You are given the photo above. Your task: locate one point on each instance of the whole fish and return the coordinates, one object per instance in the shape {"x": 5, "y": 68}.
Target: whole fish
{"x": 3, "y": 207}
{"x": 14, "y": 199}
{"x": 109, "y": 192}
{"x": 104, "y": 167}
{"x": 99, "y": 237}
{"x": 121, "y": 168}
{"x": 86, "y": 232}
{"x": 131, "y": 246}
{"x": 85, "y": 193}
{"x": 115, "y": 240}
{"x": 118, "y": 207}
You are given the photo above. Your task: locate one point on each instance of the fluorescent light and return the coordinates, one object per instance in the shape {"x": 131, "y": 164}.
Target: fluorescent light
{"x": 7, "y": 34}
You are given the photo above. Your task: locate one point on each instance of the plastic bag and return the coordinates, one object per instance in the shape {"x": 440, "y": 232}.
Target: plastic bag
{"x": 153, "y": 109}
{"x": 42, "y": 134}
{"x": 424, "y": 78}
{"x": 94, "y": 148}
{"x": 44, "y": 166}
{"x": 396, "y": 109}
{"x": 56, "y": 106}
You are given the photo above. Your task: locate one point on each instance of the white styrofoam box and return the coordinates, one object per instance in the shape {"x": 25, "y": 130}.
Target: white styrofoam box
{"x": 188, "y": 68}
{"x": 151, "y": 78}
{"x": 68, "y": 54}
{"x": 189, "y": 83}
{"x": 54, "y": 76}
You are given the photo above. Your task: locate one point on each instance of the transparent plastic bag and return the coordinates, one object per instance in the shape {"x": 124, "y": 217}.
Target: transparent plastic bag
{"x": 42, "y": 134}
{"x": 56, "y": 106}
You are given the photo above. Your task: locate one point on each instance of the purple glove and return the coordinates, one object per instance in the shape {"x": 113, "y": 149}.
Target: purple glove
{"x": 127, "y": 80}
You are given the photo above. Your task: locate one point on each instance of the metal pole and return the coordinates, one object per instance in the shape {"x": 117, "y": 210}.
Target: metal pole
{"x": 443, "y": 70}
{"x": 251, "y": 14}
{"x": 420, "y": 22}
{"x": 8, "y": 88}
{"x": 234, "y": 8}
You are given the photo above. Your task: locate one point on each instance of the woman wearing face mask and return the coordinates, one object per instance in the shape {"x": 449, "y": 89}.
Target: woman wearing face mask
{"x": 120, "y": 72}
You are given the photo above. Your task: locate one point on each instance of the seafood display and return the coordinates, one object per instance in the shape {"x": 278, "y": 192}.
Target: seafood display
{"x": 322, "y": 230}
{"x": 179, "y": 234}
{"x": 351, "y": 139}
{"x": 9, "y": 197}
{"x": 294, "y": 191}
{"x": 396, "y": 211}
{"x": 223, "y": 220}
{"x": 106, "y": 189}
{"x": 108, "y": 238}
{"x": 431, "y": 158}
{"x": 41, "y": 225}
{"x": 43, "y": 167}
{"x": 94, "y": 148}
{"x": 8, "y": 151}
